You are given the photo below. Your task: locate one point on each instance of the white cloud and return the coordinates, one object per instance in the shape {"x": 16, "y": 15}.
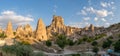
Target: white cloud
{"x": 99, "y": 13}
{"x": 102, "y": 13}
{"x": 103, "y": 19}
{"x": 16, "y": 19}
{"x": 107, "y": 24}
{"x": 90, "y": 9}
{"x": 106, "y": 4}
{"x": 75, "y": 24}
{"x": 54, "y": 8}
{"x": 86, "y": 18}
{"x": 103, "y": 4}
{"x": 82, "y": 12}
{"x": 95, "y": 19}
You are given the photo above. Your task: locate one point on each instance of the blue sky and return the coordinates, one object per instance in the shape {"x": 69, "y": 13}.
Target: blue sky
{"x": 78, "y": 13}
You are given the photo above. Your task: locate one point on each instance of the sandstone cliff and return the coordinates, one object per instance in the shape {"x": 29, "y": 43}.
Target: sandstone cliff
{"x": 57, "y": 26}
{"x": 9, "y": 30}
{"x": 41, "y": 33}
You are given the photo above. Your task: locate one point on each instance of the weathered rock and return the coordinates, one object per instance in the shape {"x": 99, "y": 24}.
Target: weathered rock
{"x": 91, "y": 27}
{"x": 41, "y": 31}
{"x": 28, "y": 30}
{"x": 20, "y": 31}
{"x": 68, "y": 31}
{"x": 9, "y": 30}
{"x": 1, "y": 30}
{"x": 57, "y": 26}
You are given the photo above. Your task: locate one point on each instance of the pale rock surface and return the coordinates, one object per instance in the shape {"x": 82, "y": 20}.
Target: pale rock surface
{"x": 41, "y": 33}
{"x": 9, "y": 30}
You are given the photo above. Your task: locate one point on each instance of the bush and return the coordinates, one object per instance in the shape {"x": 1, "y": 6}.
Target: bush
{"x": 107, "y": 43}
{"x": 85, "y": 38}
{"x": 38, "y": 54}
{"x": 117, "y": 46}
{"x": 18, "y": 49}
{"x": 62, "y": 41}
{"x": 110, "y": 37}
{"x": 90, "y": 39}
{"x": 48, "y": 43}
{"x": 94, "y": 43}
{"x": 95, "y": 49}
{"x": 79, "y": 41}
{"x": 75, "y": 54}
{"x": 70, "y": 42}
{"x": 99, "y": 36}
{"x": 2, "y": 35}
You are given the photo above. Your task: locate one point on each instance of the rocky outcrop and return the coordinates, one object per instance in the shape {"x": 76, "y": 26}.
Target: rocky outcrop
{"x": 57, "y": 26}
{"x": 9, "y": 30}
{"x": 25, "y": 34}
{"x": 19, "y": 31}
{"x": 41, "y": 33}
{"x": 1, "y": 30}
{"x": 28, "y": 30}
{"x": 91, "y": 27}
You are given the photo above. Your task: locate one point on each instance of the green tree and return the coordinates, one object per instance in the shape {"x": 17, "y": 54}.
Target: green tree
{"x": 18, "y": 49}
{"x": 94, "y": 43}
{"x": 95, "y": 49}
{"x": 48, "y": 43}
{"x": 79, "y": 41}
{"x": 70, "y": 42}
{"x": 2, "y": 35}
{"x": 62, "y": 41}
{"x": 117, "y": 46}
{"x": 107, "y": 43}
{"x": 85, "y": 38}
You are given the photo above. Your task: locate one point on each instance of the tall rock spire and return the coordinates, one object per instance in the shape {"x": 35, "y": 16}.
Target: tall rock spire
{"x": 41, "y": 31}
{"x": 9, "y": 30}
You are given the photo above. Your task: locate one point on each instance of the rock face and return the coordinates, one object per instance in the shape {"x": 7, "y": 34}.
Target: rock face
{"x": 1, "y": 30}
{"x": 57, "y": 26}
{"x": 91, "y": 28}
{"x": 24, "y": 32}
{"x": 19, "y": 31}
{"x": 41, "y": 33}
{"x": 9, "y": 30}
{"x": 28, "y": 30}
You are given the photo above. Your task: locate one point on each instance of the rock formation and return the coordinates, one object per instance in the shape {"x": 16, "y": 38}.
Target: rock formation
{"x": 57, "y": 26}
{"x": 91, "y": 27}
{"x": 9, "y": 30}
{"x": 41, "y": 33}
{"x": 1, "y": 30}
{"x": 28, "y": 30}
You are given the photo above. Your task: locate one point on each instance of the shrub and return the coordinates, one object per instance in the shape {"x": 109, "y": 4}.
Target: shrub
{"x": 39, "y": 54}
{"x": 70, "y": 42}
{"x": 48, "y": 43}
{"x": 95, "y": 49}
{"x": 79, "y": 41}
{"x": 107, "y": 43}
{"x": 18, "y": 49}
{"x": 75, "y": 54}
{"x": 62, "y": 41}
{"x": 2, "y": 35}
{"x": 117, "y": 46}
{"x": 94, "y": 43}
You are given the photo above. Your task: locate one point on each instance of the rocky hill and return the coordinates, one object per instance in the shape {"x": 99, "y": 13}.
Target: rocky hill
{"x": 57, "y": 26}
